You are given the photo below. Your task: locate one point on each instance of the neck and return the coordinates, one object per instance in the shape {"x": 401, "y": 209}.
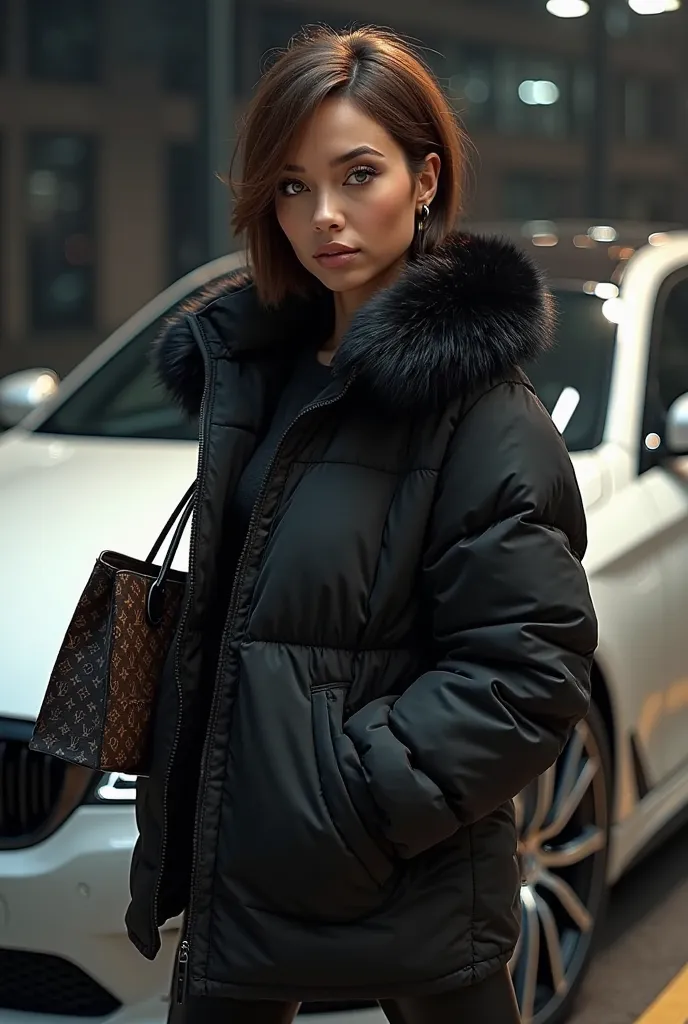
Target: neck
{"x": 346, "y": 303}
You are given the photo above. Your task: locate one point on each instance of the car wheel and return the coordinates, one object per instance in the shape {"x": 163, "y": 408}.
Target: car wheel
{"x": 563, "y": 821}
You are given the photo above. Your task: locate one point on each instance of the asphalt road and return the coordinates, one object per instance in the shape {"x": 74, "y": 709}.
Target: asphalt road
{"x": 645, "y": 942}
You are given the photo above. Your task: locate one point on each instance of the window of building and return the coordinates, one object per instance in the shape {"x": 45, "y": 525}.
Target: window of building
{"x": 470, "y": 83}
{"x": 645, "y": 200}
{"x": 581, "y": 99}
{"x": 183, "y": 39}
{"x": 528, "y": 196}
{"x": 658, "y": 30}
{"x": 63, "y": 39}
{"x": 264, "y": 29}
{"x": 60, "y": 193}
{"x": 185, "y": 209}
{"x": 647, "y": 109}
{"x": 4, "y": 31}
{"x": 277, "y": 25}
{"x": 519, "y": 94}
{"x": 532, "y": 96}
{"x": 2, "y": 278}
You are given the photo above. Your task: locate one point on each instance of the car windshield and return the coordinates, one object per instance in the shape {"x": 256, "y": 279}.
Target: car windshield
{"x": 573, "y": 378}
{"x": 123, "y": 399}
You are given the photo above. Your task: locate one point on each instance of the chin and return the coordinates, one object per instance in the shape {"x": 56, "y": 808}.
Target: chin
{"x": 347, "y": 280}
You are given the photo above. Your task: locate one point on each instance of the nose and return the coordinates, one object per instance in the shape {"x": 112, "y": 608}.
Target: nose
{"x": 327, "y": 216}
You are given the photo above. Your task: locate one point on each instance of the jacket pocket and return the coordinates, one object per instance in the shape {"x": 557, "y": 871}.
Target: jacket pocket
{"x": 290, "y": 841}
{"x": 328, "y": 711}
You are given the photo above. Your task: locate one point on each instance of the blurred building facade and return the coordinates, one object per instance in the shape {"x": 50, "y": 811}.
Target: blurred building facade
{"x": 115, "y": 115}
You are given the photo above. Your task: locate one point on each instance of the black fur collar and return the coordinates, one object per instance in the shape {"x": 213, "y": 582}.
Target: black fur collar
{"x": 470, "y": 312}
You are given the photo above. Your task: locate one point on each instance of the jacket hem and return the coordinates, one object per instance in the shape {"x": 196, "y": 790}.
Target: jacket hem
{"x": 150, "y": 952}
{"x": 462, "y": 978}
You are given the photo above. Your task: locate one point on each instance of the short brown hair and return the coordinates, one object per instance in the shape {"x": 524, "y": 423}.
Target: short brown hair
{"x": 385, "y": 77}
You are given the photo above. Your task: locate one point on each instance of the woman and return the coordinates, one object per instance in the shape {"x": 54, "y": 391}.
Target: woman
{"x": 388, "y": 632}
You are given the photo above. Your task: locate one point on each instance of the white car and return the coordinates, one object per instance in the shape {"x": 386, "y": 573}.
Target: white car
{"x": 101, "y": 463}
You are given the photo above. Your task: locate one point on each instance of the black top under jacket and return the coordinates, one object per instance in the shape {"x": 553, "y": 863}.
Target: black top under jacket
{"x": 307, "y": 380}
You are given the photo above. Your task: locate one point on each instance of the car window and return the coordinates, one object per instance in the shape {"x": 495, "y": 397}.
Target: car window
{"x": 671, "y": 340}
{"x": 573, "y": 378}
{"x": 124, "y": 399}
{"x": 667, "y": 376}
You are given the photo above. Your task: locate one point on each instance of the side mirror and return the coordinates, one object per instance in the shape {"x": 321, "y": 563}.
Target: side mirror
{"x": 21, "y": 393}
{"x": 676, "y": 438}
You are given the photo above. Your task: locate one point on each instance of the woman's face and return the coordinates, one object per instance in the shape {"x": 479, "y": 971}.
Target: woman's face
{"x": 347, "y": 201}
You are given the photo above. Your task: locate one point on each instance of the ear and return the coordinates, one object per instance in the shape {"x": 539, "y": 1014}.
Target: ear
{"x": 428, "y": 178}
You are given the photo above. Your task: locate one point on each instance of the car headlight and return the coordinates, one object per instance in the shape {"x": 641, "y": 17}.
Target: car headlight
{"x": 115, "y": 787}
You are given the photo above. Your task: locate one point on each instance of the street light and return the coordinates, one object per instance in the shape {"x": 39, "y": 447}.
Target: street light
{"x": 536, "y": 93}
{"x": 568, "y": 8}
{"x": 579, "y": 8}
{"x": 654, "y": 6}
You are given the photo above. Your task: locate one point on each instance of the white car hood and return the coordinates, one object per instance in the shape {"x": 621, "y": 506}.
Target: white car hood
{"x": 62, "y": 502}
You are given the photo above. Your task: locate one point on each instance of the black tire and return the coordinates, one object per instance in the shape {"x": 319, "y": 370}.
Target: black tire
{"x": 564, "y": 868}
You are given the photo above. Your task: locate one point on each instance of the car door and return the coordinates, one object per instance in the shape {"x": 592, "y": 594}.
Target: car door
{"x": 666, "y": 478}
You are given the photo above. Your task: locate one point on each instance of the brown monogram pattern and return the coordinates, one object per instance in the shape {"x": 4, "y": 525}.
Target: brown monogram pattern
{"x": 70, "y": 721}
{"x": 136, "y": 662}
{"x": 99, "y": 699}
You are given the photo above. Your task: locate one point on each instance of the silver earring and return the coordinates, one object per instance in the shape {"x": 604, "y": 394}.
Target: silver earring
{"x": 423, "y": 216}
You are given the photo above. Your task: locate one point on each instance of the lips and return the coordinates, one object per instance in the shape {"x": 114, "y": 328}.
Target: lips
{"x": 334, "y": 249}
{"x": 334, "y": 255}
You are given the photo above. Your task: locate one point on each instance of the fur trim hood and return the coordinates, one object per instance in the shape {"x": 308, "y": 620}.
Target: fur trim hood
{"x": 469, "y": 312}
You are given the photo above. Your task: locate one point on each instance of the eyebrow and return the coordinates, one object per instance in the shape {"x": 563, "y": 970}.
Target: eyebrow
{"x": 343, "y": 159}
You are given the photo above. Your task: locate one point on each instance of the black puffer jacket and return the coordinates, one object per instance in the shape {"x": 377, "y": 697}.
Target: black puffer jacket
{"x": 407, "y": 642}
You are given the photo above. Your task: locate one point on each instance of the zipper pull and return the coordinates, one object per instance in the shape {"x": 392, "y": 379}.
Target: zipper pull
{"x": 182, "y": 971}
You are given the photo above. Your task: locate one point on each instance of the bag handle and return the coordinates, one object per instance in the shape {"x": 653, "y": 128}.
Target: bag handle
{"x": 185, "y": 505}
{"x": 154, "y": 604}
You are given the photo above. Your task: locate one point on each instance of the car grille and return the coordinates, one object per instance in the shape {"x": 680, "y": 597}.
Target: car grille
{"x": 37, "y": 983}
{"x": 37, "y": 793}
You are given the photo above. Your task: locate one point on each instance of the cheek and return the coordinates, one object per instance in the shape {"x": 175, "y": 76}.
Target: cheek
{"x": 391, "y": 215}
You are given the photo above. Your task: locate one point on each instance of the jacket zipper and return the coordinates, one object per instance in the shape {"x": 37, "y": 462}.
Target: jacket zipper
{"x": 182, "y": 626}
{"x": 182, "y": 971}
{"x": 229, "y": 625}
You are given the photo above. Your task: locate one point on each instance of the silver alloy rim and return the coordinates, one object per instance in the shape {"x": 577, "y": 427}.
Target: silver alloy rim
{"x": 562, "y": 823}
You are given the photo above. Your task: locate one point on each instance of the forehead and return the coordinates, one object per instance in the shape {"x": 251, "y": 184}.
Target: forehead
{"x": 336, "y": 127}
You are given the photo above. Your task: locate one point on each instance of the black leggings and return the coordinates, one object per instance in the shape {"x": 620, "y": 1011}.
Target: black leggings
{"x": 490, "y": 1002}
